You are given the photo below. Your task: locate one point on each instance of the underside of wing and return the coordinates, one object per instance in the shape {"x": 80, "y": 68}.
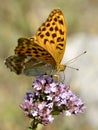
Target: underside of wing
{"x": 28, "y": 65}
{"x": 36, "y": 67}
{"x": 15, "y": 63}
{"x": 30, "y": 47}
{"x": 51, "y": 35}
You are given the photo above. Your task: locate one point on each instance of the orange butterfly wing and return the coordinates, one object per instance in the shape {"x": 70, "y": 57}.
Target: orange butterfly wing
{"x": 51, "y": 35}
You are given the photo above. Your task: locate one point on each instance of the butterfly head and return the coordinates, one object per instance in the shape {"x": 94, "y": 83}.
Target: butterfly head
{"x": 60, "y": 67}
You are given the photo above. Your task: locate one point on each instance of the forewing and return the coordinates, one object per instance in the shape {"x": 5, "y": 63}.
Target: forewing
{"x": 30, "y": 47}
{"x": 51, "y": 35}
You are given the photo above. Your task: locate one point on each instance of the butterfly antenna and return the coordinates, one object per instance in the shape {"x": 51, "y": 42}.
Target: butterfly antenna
{"x": 74, "y": 59}
{"x": 72, "y": 67}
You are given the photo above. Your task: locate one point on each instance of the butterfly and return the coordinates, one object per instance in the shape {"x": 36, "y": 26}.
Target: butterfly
{"x": 43, "y": 52}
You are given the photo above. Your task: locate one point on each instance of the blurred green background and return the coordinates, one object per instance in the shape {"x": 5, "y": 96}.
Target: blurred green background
{"x": 21, "y": 18}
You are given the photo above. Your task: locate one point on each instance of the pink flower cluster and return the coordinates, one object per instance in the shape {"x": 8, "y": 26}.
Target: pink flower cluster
{"x": 50, "y": 98}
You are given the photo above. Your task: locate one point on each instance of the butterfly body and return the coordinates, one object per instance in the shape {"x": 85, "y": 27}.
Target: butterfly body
{"x": 42, "y": 52}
